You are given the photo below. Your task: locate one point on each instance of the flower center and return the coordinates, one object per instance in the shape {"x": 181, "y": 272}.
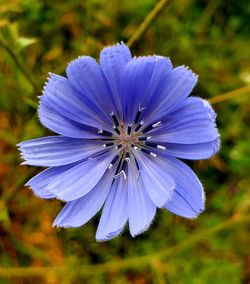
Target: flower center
{"x": 126, "y": 139}
{"x": 133, "y": 136}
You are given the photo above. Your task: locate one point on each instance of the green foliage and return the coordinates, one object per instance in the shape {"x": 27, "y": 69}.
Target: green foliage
{"x": 212, "y": 38}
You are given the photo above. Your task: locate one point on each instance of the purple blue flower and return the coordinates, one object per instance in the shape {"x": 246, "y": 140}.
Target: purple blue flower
{"x": 123, "y": 124}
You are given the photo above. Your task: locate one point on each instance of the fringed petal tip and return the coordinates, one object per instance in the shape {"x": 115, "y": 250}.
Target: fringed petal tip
{"x": 188, "y": 213}
{"x": 151, "y": 59}
{"x": 20, "y": 149}
{"x": 56, "y": 224}
{"x": 197, "y": 212}
{"x": 186, "y": 210}
{"x": 210, "y": 109}
{"x": 84, "y": 59}
{"x": 135, "y": 234}
{"x": 114, "y": 45}
{"x": 117, "y": 46}
{"x": 190, "y": 72}
{"x": 62, "y": 226}
{"x": 192, "y": 216}
{"x": 216, "y": 145}
{"x": 19, "y": 145}
{"x": 51, "y": 79}
{"x": 40, "y": 196}
{"x": 42, "y": 193}
{"x": 213, "y": 115}
{"x": 107, "y": 237}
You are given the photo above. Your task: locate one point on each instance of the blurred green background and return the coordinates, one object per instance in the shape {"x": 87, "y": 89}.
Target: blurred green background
{"x": 213, "y": 39}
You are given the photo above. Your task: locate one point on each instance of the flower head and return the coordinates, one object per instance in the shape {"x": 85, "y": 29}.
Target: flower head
{"x": 122, "y": 124}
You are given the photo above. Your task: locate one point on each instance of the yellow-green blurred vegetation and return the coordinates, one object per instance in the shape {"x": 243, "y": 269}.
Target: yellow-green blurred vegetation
{"x": 212, "y": 37}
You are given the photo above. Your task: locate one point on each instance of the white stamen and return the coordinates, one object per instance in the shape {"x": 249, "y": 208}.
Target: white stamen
{"x": 157, "y": 124}
{"x": 141, "y": 108}
{"x": 127, "y": 160}
{"x": 161, "y": 147}
{"x": 110, "y": 167}
{"x": 118, "y": 146}
{"x": 153, "y": 154}
{"x": 124, "y": 175}
{"x": 100, "y": 131}
{"x": 121, "y": 173}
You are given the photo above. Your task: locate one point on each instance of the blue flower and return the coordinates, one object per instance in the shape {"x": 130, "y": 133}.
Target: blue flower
{"x": 122, "y": 124}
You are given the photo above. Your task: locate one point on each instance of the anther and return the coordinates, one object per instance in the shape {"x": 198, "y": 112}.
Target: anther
{"x": 148, "y": 152}
{"x": 113, "y": 162}
{"x": 138, "y": 115}
{"x": 104, "y": 132}
{"x": 118, "y": 167}
{"x": 114, "y": 118}
{"x": 135, "y": 147}
{"x": 155, "y": 145}
{"x": 121, "y": 173}
{"x": 123, "y": 169}
{"x": 144, "y": 138}
{"x": 129, "y": 128}
{"x": 127, "y": 158}
{"x": 150, "y": 144}
{"x": 108, "y": 144}
{"x": 153, "y": 154}
{"x": 157, "y": 124}
{"x": 161, "y": 147}
{"x": 124, "y": 165}
{"x": 118, "y": 146}
{"x": 139, "y": 125}
{"x": 116, "y": 130}
{"x": 150, "y": 127}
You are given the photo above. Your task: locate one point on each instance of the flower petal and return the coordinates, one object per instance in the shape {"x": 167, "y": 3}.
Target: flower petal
{"x": 193, "y": 122}
{"x": 78, "y": 212}
{"x": 79, "y": 180}
{"x": 115, "y": 212}
{"x": 60, "y": 124}
{"x": 191, "y": 151}
{"x": 188, "y": 199}
{"x": 86, "y": 77}
{"x": 140, "y": 83}
{"x": 62, "y": 98}
{"x": 57, "y": 150}
{"x": 141, "y": 209}
{"x": 177, "y": 86}
{"x": 39, "y": 183}
{"x": 155, "y": 179}
{"x": 112, "y": 62}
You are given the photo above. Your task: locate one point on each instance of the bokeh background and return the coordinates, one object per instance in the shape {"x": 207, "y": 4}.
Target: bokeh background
{"x": 213, "y": 39}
